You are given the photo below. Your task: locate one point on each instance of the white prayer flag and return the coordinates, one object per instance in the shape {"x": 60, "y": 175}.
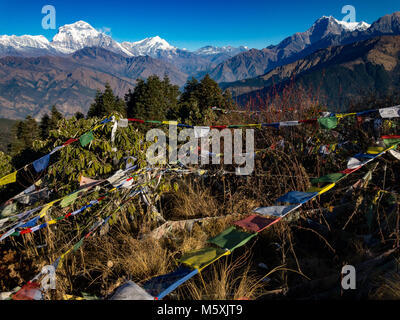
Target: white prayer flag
{"x": 276, "y": 211}
{"x": 288, "y": 123}
{"x": 123, "y": 123}
{"x": 200, "y": 132}
{"x": 392, "y": 112}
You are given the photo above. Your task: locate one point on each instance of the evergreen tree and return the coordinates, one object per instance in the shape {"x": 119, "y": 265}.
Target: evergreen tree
{"x": 26, "y": 132}
{"x": 152, "y": 99}
{"x": 45, "y": 125}
{"x": 105, "y": 103}
{"x": 198, "y": 98}
{"x": 79, "y": 115}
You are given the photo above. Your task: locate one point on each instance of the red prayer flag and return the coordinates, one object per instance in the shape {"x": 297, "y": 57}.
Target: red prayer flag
{"x": 136, "y": 120}
{"x": 348, "y": 171}
{"x": 256, "y": 223}
{"x": 310, "y": 121}
{"x": 69, "y": 142}
{"x": 30, "y": 291}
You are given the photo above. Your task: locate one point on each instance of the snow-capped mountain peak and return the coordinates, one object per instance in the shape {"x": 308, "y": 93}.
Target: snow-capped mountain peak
{"x": 211, "y": 50}
{"x": 354, "y": 26}
{"x": 78, "y": 35}
{"x": 346, "y": 26}
{"x": 77, "y": 32}
{"x": 149, "y": 46}
{"x": 25, "y": 41}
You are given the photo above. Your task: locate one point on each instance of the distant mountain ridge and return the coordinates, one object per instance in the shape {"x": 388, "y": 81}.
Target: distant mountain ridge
{"x": 325, "y": 32}
{"x": 336, "y": 74}
{"x": 30, "y": 86}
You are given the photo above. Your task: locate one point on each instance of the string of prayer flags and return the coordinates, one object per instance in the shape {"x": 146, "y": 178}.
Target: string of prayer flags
{"x": 256, "y": 223}
{"x": 10, "y": 178}
{"x": 231, "y": 239}
{"x": 86, "y": 138}
{"x": 297, "y": 197}
{"x": 392, "y": 112}
{"x": 201, "y": 258}
{"x": 329, "y": 178}
{"x": 41, "y": 163}
{"x": 130, "y": 291}
{"x": 276, "y": 211}
{"x": 328, "y": 122}
{"x": 161, "y": 286}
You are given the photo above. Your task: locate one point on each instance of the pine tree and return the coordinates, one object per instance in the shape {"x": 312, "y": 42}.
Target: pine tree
{"x": 198, "y": 98}
{"x": 79, "y": 115}
{"x": 105, "y": 103}
{"x": 152, "y": 99}
{"x": 26, "y": 132}
{"x": 45, "y": 124}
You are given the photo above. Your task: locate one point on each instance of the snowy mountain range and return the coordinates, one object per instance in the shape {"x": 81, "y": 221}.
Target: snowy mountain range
{"x": 78, "y": 35}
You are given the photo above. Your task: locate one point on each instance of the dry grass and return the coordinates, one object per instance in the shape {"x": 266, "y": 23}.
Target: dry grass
{"x": 225, "y": 280}
{"x": 389, "y": 289}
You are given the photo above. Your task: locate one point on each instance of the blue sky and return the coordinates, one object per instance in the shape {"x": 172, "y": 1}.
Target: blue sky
{"x": 189, "y": 24}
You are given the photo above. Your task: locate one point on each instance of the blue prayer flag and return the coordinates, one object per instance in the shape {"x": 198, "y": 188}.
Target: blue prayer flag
{"x": 41, "y": 163}
{"x": 296, "y": 197}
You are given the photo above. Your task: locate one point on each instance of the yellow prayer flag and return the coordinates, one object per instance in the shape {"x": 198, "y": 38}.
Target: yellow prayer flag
{"x": 256, "y": 125}
{"x": 12, "y": 177}
{"x": 171, "y": 123}
{"x": 375, "y": 150}
{"x": 321, "y": 190}
{"x": 46, "y": 208}
{"x": 342, "y": 115}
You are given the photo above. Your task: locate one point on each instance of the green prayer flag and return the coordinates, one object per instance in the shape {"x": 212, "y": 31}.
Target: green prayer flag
{"x": 330, "y": 178}
{"x": 86, "y": 138}
{"x": 231, "y": 238}
{"x": 328, "y": 122}
{"x": 68, "y": 200}
{"x": 9, "y": 210}
{"x": 390, "y": 142}
{"x": 153, "y": 121}
{"x": 201, "y": 258}
{"x": 78, "y": 245}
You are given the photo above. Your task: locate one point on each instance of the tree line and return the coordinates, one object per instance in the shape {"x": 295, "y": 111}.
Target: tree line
{"x": 153, "y": 99}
